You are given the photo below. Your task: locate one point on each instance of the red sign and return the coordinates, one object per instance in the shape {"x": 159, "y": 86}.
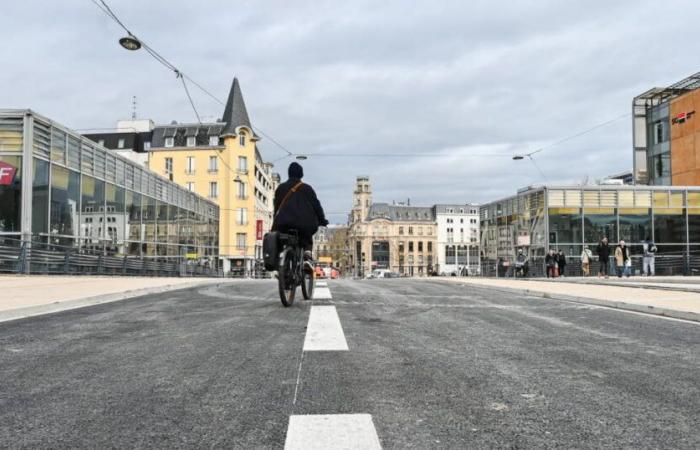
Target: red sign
{"x": 682, "y": 117}
{"x": 7, "y": 174}
{"x": 258, "y": 230}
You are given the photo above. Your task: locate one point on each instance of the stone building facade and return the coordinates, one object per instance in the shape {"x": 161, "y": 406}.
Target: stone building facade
{"x": 397, "y": 237}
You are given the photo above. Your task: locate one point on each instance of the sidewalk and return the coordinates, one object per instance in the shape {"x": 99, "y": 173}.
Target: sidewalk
{"x": 25, "y": 296}
{"x": 643, "y": 297}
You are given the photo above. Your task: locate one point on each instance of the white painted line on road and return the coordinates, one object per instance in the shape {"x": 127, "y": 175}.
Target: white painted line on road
{"x": 322, "y": 293}
{"x": 322, "y": 283}
{"x": 324, "y": 332}
{"x": 331, "y": 431}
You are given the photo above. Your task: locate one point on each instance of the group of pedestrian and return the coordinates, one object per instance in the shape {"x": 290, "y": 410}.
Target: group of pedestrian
{"x": 623, "y": 259}
{"x": 555, "y": 263}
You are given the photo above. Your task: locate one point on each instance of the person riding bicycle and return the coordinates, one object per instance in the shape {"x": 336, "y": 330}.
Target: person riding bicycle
{"x": 298, "y": 208}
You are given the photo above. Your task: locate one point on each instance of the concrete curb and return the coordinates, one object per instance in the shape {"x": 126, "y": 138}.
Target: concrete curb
{"x": 645, "y": 309}
{"x": 65, "y": 305}
{"x": 624, "y": 284}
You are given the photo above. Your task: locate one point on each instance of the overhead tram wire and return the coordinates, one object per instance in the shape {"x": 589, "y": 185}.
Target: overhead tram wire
{"x": 104, "y": 7}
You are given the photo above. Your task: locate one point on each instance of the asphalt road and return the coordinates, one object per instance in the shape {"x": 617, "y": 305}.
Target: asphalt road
{"x": 436, "y": 365}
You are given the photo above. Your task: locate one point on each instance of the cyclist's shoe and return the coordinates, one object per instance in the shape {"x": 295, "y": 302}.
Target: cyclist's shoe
{"x": 307, "y": 255}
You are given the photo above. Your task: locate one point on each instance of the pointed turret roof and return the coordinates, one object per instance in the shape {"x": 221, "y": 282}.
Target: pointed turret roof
{"x": 235, "y": 113}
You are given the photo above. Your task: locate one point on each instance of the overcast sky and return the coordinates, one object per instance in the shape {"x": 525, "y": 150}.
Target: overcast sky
{"x": 442, "y": 79}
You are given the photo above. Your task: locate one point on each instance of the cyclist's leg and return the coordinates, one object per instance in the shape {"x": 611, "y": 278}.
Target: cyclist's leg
{"x": 307, "y": 245}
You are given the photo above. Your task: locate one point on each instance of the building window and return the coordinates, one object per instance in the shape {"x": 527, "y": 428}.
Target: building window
{"x": 191, "y": 141}
{"x": 213, "y": 140}
{"x": 410, "y": 246}
{"x": 240, "y": 241}
{"x": 120, "y": 143}
{"x": 101, "y": 142}
{"x": 169, "y": 142}
{"x": 400, "y": 230}
{"x": 213, "y": 189}
{"x": 430, "y": 247}
{"x": 213, "y": 164}
{"x": 169, "y": 168}
{"x": 242, "y": 216}
{"x": 242, "y": 164}
{"x": 241, "y": 140}
{"x": 190, "y": 165}
{"x": 147, "y": 145}
{"x": 242, "y": 190}
{"x": 410, "y": 230}
{"x": 190, "y": 186}
{"x": 420, "y": 246}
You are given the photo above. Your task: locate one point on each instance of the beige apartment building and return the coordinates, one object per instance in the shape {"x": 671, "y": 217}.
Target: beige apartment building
{"x": 221, "y": 161}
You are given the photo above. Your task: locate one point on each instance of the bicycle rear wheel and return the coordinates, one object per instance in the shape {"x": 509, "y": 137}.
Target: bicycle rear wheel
{"x": 307, "y": 284}
{"x": 285, "y": 278}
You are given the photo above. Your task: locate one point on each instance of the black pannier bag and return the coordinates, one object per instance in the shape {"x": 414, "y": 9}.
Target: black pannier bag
{"x": 271, "y": 252}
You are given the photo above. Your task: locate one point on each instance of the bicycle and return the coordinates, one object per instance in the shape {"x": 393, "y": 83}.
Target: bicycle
{"x": 293, "y": 270}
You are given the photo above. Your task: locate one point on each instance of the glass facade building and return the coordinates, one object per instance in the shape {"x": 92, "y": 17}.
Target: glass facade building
{"x": 569, "y": 217}
{"x": 58, "y": 188}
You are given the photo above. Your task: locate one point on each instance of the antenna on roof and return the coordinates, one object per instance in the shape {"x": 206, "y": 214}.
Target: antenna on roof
{"x": 133, "y": 108}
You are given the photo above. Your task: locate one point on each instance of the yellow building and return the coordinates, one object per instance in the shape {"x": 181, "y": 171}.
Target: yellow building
{"x": 221, "y": 161}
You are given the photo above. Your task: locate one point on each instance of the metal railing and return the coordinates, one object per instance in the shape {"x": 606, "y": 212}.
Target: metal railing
{"x": 665, "y": 265}
{"x": 40, "y": 257}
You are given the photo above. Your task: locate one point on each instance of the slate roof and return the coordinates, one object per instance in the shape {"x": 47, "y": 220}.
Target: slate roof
{"x": 235, "y": 112}
{"x": 442, "y": 208}
{"x": 401, "y": 213}
{"x": 132, "y": 141}
{"x": 181, "y": 131}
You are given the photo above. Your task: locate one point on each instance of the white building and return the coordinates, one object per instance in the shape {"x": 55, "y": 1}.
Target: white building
{"x": 457, "y": 238}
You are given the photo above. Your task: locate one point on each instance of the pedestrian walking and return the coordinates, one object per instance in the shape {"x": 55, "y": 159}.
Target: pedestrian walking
{"x": 586, "y": 258}
{"x": 603, "y": 252}
{"x": 561, "y": 262}
{"x": 550, "y": 262}
{"x": 622, "y": 260}
{"x": 649, "y": 257}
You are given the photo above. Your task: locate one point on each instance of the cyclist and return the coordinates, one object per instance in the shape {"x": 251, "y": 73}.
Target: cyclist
{"x": 298, "y": 208}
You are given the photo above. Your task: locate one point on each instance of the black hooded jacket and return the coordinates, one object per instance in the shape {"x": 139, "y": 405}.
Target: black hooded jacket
{"x": 302, "y": 211}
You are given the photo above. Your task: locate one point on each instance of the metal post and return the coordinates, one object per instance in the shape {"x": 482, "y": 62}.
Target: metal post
{"x": 469, "y": 250}
{"x": 27, "y": 187}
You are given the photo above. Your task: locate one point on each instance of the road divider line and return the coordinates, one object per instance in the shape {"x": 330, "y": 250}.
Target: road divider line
{"x": 322, "y": 293}
{"x": 331, "y": 431}
{"x": 324, "y": 332}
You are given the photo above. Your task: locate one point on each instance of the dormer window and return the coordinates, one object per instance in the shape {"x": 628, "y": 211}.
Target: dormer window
{"x": 191, "y": 141}
{"x": 241, "y": 140}
{"x": 213, "y": 140}
{"x": 169, "y": 142}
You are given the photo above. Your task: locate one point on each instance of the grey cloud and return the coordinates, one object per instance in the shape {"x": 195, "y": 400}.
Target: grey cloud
{"x": 370, "y": 77}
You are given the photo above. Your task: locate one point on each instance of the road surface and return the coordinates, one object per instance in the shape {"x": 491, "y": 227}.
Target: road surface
{"x": 426, "y": 364}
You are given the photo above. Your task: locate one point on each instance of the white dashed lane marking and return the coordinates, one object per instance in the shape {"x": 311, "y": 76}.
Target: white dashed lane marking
{"x": 322, "y": 293}
{"x": 332, "y": 431}
{"x": 324, "y": 332}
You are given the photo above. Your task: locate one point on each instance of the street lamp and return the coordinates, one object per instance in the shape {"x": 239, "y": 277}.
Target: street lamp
{"x": 237, "y": 179}
{"x": 302, "y": 157}
{"x": 130, "y": 43}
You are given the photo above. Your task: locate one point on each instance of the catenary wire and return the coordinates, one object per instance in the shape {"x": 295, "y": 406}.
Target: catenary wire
{"x": 158, "y": 57}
